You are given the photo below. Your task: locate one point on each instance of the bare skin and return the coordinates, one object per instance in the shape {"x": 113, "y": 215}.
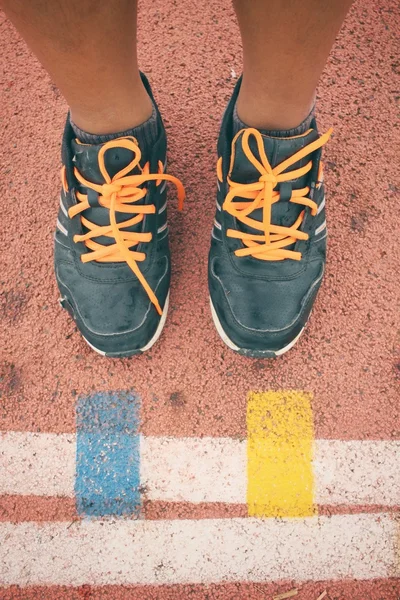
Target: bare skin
{"x": 285, "y": 48}
{"x": 89, "y": 49}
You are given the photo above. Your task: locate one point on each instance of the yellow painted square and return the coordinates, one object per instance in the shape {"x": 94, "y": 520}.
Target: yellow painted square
{"x": 280, "y": 444}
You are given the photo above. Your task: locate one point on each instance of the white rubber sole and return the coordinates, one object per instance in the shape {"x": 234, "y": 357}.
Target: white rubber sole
{"x": 147, "y": 346}
{"x": 255, "y": 353}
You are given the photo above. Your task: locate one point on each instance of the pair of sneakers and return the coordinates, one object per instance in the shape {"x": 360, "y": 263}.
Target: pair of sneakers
{"x": 268, "y": 243}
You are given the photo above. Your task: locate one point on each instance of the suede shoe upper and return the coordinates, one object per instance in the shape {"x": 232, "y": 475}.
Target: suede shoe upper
{"x": 112, "y": 258}
{"x": 268, "y": 247}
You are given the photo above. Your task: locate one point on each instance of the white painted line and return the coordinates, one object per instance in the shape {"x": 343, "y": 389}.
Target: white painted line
{"x": 202, "y": 551}
{"x": 194, "y": 469}
{"x": 357, "y": 472}
{"x": 204, "y": 469}
{"x": 41, "y": 464}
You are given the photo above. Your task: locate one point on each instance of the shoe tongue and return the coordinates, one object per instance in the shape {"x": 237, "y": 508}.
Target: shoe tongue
{"x": 86, "y": 160}
{"x": 283, "y": 212}
{"x": 277, "y": 150}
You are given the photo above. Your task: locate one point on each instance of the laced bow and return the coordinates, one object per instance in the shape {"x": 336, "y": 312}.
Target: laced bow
{"x": 272, "y": 243}
{"x": 121, "y": 193}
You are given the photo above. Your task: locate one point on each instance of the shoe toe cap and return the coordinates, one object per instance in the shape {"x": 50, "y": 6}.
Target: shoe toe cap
{"x": 114, "y": 318}
{"x": 264, "y": 315}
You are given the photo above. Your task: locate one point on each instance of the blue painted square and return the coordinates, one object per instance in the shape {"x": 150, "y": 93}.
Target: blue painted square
{"x": 108, "y": 455}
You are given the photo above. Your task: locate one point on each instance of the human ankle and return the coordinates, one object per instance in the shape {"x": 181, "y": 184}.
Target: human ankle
{"x": 261, "y": 112}
{"x": 126, "y": 113}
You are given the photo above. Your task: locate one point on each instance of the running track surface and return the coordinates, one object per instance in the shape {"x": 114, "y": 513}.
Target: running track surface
{"x": 190, "y": 385}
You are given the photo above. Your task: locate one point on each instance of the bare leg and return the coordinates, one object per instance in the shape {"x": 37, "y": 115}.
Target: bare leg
{"x": 89, "y": 49}
{"x": 285, "y": 47}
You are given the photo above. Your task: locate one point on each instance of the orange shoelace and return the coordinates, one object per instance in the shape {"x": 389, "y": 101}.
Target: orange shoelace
{"x": 121, "y": 194}
{"x": 272, "y": 243}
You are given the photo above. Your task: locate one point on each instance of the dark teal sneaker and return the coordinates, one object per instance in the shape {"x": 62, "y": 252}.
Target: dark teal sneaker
{"x": 112, "y": 259}
{"x": 268, "y": 245}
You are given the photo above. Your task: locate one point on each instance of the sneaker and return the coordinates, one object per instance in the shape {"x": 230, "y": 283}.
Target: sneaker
{"x": 112, "y": 258}
{"x": 268, "y": 245}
